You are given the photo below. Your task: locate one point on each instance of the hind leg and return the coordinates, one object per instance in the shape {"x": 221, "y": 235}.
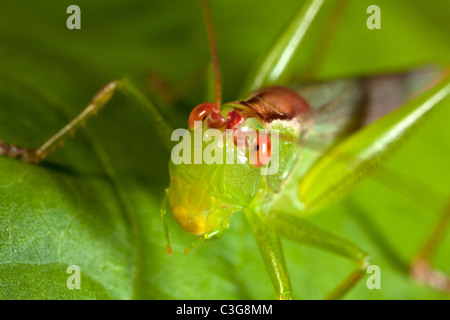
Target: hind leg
{"x": 98, "y": 102}
{"x": 421, "y": 268}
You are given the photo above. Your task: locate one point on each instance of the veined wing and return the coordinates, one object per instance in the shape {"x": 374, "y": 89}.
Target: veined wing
{"x": 342, "y": 107}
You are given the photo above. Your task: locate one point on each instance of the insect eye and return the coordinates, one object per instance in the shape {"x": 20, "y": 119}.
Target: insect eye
{"x": 261, "y": 150}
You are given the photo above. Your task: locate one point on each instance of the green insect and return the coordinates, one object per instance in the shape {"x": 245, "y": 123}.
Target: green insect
{"x": 354, "y": 141}
{"x": 203, "y": 197}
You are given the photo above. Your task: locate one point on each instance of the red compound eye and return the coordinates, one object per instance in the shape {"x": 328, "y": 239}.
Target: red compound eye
{"x": 261, "y": 150}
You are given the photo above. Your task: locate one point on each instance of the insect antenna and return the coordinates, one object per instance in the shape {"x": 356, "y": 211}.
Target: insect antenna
{"x": 214, "y": 57}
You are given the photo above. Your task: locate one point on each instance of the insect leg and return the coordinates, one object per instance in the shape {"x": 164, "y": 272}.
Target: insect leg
{"x": 164, "y": 209}
{"x": 207, "y": 236}
{"x": 98, "y": 102}
{"x": 295, "y": 228}
{"x": 421, "y": 268}
{"x": 327, "y": 34}
{"x": 273, "y": 68}
{"x": 270, "y": 248}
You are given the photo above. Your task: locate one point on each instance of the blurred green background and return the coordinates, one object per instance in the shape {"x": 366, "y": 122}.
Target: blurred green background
{"x": 96, "y": 203}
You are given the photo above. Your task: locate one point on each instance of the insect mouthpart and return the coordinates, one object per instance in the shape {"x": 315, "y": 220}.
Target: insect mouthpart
{"x": 250, "y": 133}
{"x": 195, "y": 205}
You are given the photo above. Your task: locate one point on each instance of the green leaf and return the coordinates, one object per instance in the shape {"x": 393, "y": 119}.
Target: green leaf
{"x": 95, "y": 203}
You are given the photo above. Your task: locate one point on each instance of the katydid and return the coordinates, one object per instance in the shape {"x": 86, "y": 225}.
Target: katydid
{"x": 204, "y": 197}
